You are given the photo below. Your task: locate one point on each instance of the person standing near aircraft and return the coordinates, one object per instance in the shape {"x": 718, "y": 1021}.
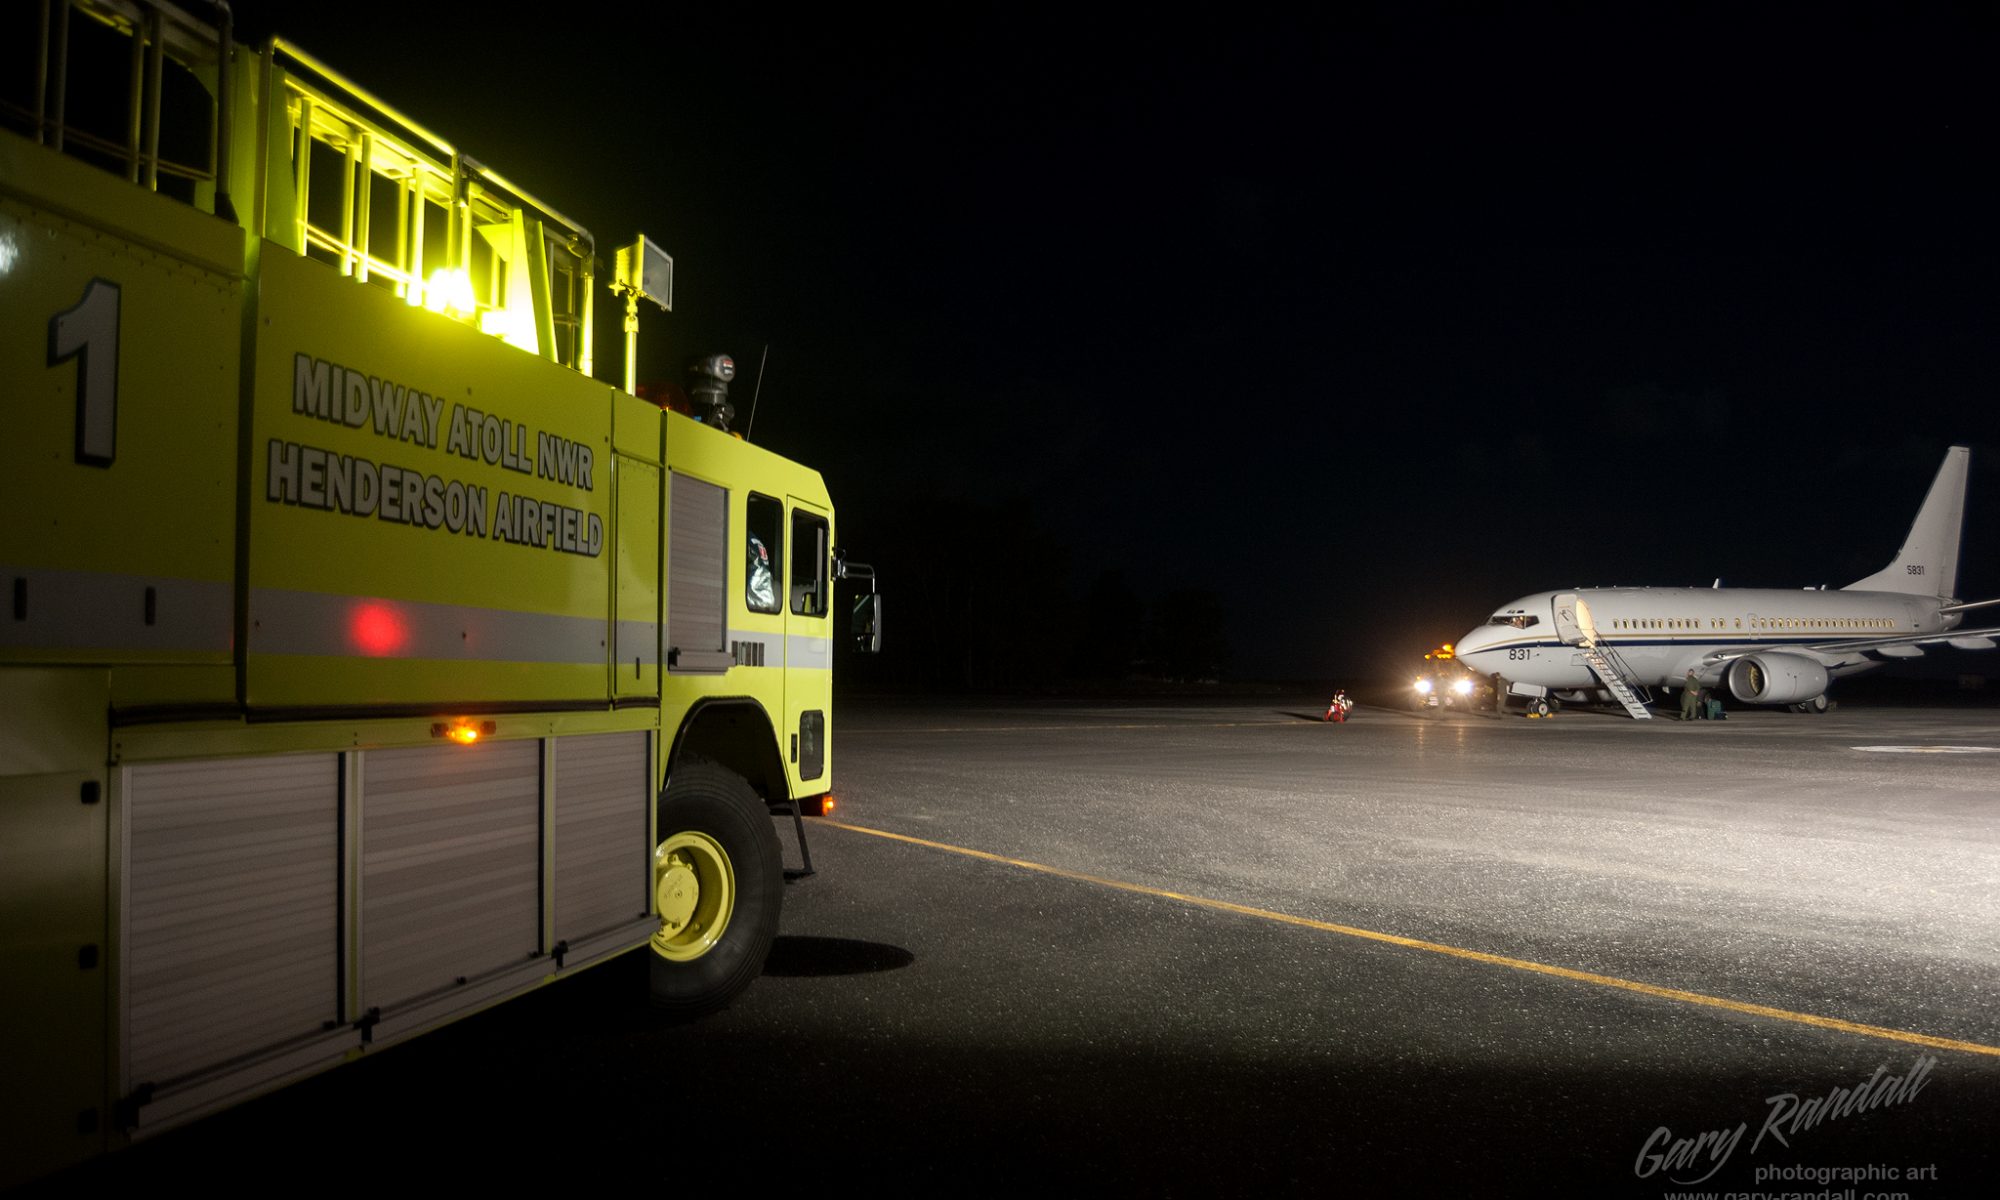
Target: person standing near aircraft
{"x": 1690, "y": 695}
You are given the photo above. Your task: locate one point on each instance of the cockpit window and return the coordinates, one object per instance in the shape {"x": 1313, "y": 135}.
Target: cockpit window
{"x": 1517, "y": 620}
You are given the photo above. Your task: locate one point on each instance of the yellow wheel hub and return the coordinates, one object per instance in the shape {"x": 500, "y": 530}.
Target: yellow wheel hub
{"x": 694, "y": 888}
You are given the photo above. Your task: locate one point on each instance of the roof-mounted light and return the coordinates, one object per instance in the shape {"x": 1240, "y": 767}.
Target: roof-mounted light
{"x": 647, "y": 272}
{"x": 643, "y": 271}
{"x": 449, "y": 290}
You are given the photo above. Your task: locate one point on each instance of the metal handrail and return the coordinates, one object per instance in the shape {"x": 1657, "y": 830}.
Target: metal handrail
{"x": 467, "y": 167}
{"x": 1621, "y": 668}
{"x": 159, "y": 31}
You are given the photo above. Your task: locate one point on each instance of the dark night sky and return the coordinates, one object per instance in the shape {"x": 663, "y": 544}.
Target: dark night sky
{"x": 1367, "y": 321}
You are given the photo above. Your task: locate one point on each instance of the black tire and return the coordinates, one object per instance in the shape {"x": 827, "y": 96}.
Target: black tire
{"x": 705, "y": 809}
{"x": 1817, "y": 705}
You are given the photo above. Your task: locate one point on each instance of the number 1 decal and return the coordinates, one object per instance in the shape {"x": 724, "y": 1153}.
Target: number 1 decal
{"x": 88, "y": 333}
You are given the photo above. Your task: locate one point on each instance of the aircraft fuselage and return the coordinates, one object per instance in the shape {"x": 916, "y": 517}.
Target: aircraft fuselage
{"x": 1662, "y": 633}
{"x": 1770, "y": 645}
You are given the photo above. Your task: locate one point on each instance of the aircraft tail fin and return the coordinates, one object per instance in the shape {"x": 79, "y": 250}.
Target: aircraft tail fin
{"x": 1928, "y": 563}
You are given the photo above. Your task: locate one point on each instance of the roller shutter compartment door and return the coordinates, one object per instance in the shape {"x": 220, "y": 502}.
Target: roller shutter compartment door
{"x": 603, "y": 866}
{"x": 232, "y": 933}
{"x": 697, "y": 574}
{"x": 450, "y": 866}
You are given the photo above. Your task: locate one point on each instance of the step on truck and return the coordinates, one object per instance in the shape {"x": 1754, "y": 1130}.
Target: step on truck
{"x": 365, "y": 661}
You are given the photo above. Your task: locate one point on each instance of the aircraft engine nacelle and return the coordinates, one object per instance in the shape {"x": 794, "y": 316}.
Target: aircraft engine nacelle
{"x": 1775, "y": 678}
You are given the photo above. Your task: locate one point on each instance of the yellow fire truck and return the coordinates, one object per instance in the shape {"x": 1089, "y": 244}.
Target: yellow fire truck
{"x": 366, "y": 661}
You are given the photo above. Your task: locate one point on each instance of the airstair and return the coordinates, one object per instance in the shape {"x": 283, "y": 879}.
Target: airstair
{"x": 1617, "y": 678}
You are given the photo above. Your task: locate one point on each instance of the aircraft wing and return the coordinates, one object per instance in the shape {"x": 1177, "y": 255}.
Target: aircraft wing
{"x": 1963, "y": 639}
{"x": 1847, "y": 651}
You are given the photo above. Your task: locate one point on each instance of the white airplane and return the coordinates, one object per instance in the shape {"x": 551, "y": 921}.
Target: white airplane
{"x": 1767, "y": 645}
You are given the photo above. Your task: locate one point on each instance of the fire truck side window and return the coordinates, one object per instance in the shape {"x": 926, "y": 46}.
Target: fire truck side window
{"x": 810, "y": 590}
{"x": 764, "y": 527}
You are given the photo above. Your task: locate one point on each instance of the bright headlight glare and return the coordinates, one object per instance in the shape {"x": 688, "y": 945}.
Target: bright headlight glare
{"x": 1463, "y": 687}
{"x": 450, "y": 291}
{"x": 1424, "y": 686}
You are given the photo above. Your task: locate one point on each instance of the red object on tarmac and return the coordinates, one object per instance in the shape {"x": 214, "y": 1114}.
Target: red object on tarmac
{"x": 1338, "y": 708}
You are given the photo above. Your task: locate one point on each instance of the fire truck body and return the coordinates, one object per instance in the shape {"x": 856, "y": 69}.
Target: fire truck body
{"x": 368, "y": 662}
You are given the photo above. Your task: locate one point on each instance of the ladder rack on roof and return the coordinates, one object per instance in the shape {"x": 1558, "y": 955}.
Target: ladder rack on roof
{"x": 392, "y": 203}
{"x": 289, "y": 149}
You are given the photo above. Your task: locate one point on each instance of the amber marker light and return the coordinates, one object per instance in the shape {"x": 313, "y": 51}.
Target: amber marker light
{"x": 463, "y": 732}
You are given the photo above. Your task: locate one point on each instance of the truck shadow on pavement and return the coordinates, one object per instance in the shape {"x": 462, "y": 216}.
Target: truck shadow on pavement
{"x": 798, "y": 957}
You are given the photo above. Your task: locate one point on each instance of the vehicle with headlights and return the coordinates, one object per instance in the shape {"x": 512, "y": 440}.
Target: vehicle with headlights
{"x": 1444, "y": 683}
{"x": 1441, "y": 690}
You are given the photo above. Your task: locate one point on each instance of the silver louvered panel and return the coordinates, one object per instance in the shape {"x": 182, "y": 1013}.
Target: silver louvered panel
{"x": 232, "y": 886}
{"x": 450, "y": 865}
{"x": 603, "y": 865}
{"x": 697, "y": 566}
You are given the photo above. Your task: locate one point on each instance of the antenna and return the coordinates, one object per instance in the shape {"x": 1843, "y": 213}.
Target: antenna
{"x": 756, "y": 391}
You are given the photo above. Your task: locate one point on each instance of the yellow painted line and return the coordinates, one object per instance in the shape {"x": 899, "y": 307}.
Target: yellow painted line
{"x": 1301, "y": 722}
{"x": 1498, "y": 960}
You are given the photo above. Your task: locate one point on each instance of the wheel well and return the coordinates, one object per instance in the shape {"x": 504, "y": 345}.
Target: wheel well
{"x": 736, "y": 735}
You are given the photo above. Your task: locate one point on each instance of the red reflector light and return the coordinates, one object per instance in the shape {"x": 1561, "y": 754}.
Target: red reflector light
{"x": 377, "y": 630}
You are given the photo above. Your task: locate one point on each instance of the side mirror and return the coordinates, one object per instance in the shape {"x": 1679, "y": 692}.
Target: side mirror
{"x": 866, "y": 625}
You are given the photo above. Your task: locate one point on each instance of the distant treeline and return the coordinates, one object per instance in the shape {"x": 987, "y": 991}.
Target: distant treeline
{"x": 988, "y": 597}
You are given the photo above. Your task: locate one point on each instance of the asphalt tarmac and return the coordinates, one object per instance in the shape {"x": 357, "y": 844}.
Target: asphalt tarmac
{"x": 1206, "y": 949}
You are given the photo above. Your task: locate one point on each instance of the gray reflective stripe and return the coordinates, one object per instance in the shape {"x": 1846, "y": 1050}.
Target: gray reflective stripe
{"x": 808, "y": 653}
{"x": 801, "y": 652}
{"x": 772, "y": 643}
{"x": 103, "y": 611}
{"x": 315, "y": 623}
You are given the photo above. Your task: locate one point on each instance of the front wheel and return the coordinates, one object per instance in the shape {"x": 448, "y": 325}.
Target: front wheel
{"x": 718, "y": 883}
